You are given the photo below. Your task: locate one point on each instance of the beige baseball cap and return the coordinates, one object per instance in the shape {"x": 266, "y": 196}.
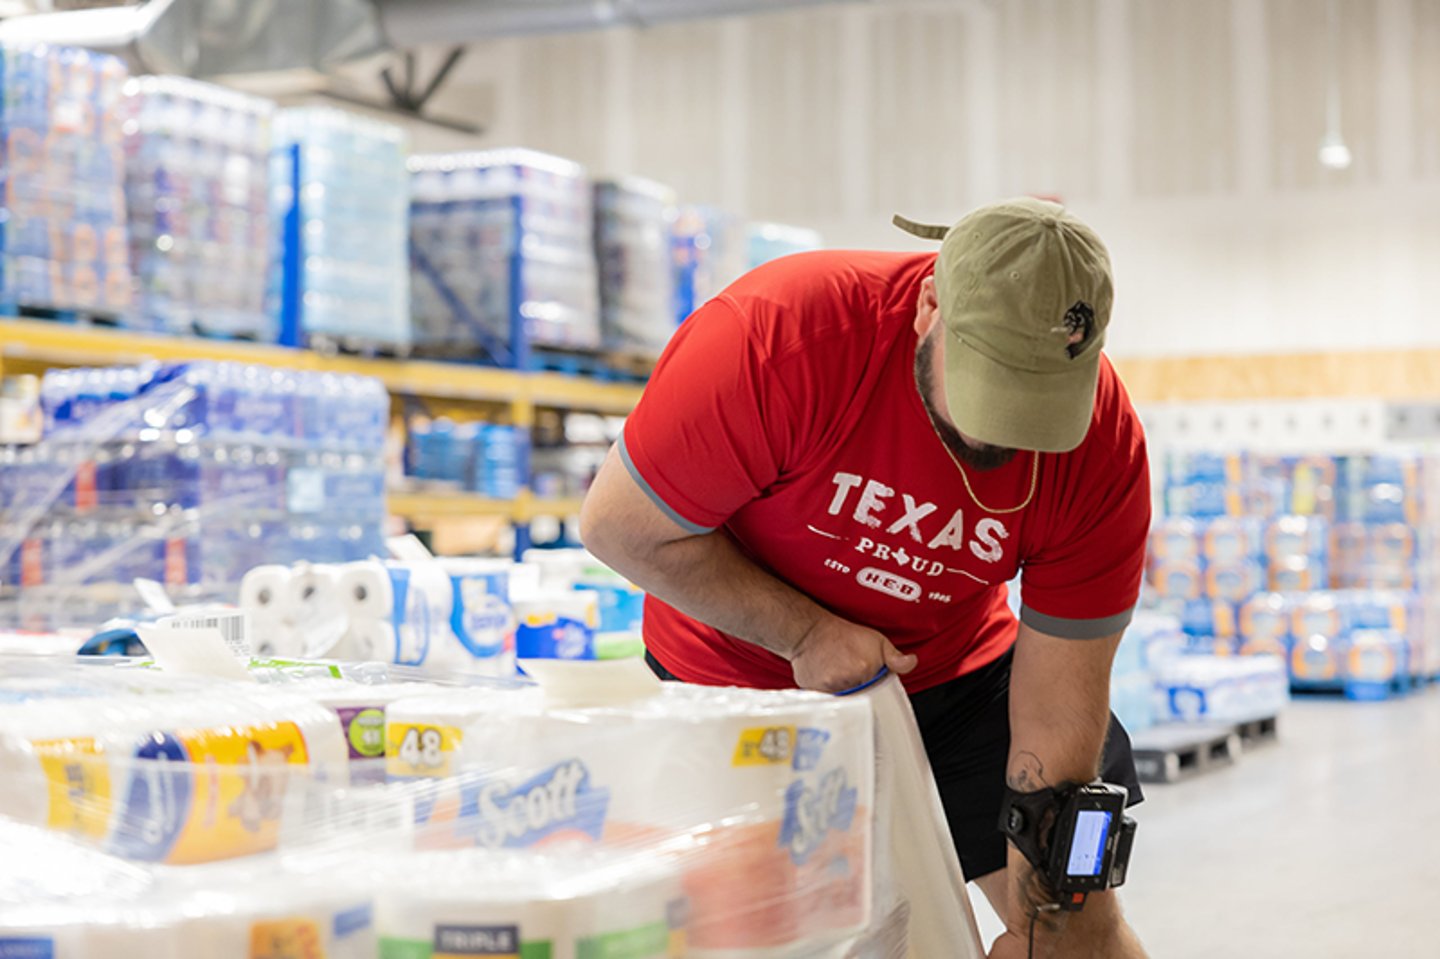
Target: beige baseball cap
{"x": 1025, "y": 292}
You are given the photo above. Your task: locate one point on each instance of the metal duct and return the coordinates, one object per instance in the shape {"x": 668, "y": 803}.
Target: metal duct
{"x": 409, "y": 23}
{"x": 207, "y": 38}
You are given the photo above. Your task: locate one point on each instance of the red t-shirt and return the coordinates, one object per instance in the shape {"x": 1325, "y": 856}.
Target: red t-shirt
{"x": 785, "y": 412}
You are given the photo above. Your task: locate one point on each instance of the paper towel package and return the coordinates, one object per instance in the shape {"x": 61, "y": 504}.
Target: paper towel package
{"x": 575, "y": 906}
{"x": 782, "y": 783}
{"x": 180, "y": 778}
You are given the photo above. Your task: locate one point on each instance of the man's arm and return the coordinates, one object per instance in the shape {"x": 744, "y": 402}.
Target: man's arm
{"x": 1059, "y": 715}
{"x": 707, "y": 577}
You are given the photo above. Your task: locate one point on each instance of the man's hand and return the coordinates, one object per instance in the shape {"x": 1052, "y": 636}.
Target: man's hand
{"x": 835, "y": 654}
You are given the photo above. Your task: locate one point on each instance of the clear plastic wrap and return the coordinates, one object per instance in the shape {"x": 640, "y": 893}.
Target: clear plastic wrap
{"x": 187, "y": 474}
{"x": 663, "y": 822}
{"x": 501, "y": 245}
{"x": 633, "y": 223}
{"x": 198, "y": 189}
{"x": 63, "y": 236}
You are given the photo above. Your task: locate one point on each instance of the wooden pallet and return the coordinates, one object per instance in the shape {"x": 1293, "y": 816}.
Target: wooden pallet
{"x": 1175, "y": 751}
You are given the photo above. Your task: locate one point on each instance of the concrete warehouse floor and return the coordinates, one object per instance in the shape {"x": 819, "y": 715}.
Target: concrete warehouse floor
{"x": 1325, "y": 844}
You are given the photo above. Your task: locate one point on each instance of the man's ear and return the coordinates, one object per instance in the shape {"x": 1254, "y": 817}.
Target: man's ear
{"x": 927, "y": 307}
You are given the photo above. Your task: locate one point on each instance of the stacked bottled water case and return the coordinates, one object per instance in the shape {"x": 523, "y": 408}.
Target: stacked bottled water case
{"x": 188, "y": 474}
{"x": 198, "y": 186}
{"x": 634, "y": 220}
{"x": 62, "y": 226}
{"x": 341, "y": 203}
{"x": 501, "y": 255}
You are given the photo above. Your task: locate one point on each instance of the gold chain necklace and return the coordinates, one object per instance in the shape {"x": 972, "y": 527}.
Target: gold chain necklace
{"x": 1034, "y": 482}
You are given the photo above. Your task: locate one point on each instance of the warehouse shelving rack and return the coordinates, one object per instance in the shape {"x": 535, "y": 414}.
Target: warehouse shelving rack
{"x": 440, "y": 389}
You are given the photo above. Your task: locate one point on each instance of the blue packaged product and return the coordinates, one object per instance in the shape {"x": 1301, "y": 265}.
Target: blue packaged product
{"x": 1204, "y": 500}
{"x": 1315, "y": 662}
{"x": 340, "y": 206}
{"x": 1182, "y": 469}
{"x": 1209, "y": 618}
{"x": 1374, "y": 659}
{"x": 483, "y": 619}
{"x": 559, "y": 625}
{"x": 622, "y": 606}
{"x": 769, "y": 241}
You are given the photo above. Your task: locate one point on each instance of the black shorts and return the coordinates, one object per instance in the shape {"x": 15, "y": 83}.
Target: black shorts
{"x": 965, "y": 724}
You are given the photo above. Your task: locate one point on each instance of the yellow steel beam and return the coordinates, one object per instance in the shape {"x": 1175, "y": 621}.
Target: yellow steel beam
{"x": 430, "y": 506}
{"x": 435, "y": 505}
{"x": 31, "y": 345}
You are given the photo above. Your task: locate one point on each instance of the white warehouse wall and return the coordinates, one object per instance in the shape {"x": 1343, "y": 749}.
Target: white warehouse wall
{"x": 1186, "y": 131}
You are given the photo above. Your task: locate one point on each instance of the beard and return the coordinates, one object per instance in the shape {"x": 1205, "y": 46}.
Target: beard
{"x": 981, "y": 459}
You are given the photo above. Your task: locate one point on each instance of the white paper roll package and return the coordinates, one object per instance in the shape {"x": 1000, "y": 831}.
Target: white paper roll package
{"x": 787, "y": 776}
{"x": 181, "y": 778}
{"x": 60, "y": 901}
{"x": 483, "y": 618}
{"x": 360, "y": 710}
{"x": 576, "y": 906}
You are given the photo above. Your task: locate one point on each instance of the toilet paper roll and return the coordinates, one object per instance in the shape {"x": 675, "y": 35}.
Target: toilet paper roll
{"x": 474, "y": 902}
{"x": 179, "y": 779}
{"x": 366, "y": 591}
{"x": 274, "y": 638}
{"x": 312, "y": 605}
{"x": 368, "y": 641}
{"x": 264, "y": 589}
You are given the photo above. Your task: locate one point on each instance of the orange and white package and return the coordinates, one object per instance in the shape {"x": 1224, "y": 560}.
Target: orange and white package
{"x": 781, "y": 785}
{"x": 1175, "y": 539}
{"x": 1391, "y": 543}
{"x": 1177, "y": 580}
{"x": 1316, "y": 615}
{"x": 1232, "y": 582}
{"x": 180, "y": 778}
{"x": 1264, "y": 617}
{"x": 1227, "y": 540}
{"x": 1295, "y": 574}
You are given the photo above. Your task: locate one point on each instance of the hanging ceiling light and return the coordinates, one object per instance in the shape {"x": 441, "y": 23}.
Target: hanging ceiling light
{"x": 1334, "y": 154}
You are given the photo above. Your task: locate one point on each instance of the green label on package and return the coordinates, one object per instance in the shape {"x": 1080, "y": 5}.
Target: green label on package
{"x": 425, "y": 949}
{"x": 655, "y": 941}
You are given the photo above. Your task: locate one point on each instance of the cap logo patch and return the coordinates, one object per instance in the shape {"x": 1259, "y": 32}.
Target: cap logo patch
{"x": 1078, "y": 327}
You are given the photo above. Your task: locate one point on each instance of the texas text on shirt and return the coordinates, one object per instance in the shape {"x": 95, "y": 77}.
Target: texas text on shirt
{"x": 785, "y": 413}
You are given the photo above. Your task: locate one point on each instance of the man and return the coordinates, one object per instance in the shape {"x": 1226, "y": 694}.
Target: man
{"x": 841, "y": 461}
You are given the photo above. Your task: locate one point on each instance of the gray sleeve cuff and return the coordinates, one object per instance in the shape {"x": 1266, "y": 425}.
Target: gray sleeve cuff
{"x": 664, "y": 507}
{"x": 1075, "y": 628}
